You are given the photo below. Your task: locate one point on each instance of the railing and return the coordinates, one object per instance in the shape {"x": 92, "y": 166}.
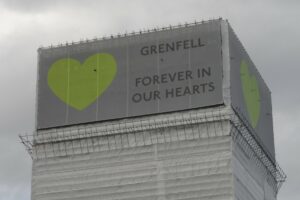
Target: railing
{"x": 133, "y": 33}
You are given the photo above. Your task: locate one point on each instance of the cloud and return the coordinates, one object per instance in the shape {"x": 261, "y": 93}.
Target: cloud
{"x": 268, "y": 29}
{"x": 29, "y": 5}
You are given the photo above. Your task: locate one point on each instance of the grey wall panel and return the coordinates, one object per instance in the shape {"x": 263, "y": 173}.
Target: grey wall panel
{"x": 250, "y": 95}
{"x": 246, "y": 186}
{"x": 137, "y": 75}
{"x": 269, "y": 192}
{"x": 250, "y": 179}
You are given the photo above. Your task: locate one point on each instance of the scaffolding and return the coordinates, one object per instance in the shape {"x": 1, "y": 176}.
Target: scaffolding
{"x": 143, "y": 131}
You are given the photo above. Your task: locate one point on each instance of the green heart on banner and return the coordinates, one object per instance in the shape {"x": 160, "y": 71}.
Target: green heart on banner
{"x": 251, "y": 93}
{"x": 79, "y": 85}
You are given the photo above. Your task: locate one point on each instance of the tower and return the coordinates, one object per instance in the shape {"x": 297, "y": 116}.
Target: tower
{"x": 172, "y": 113}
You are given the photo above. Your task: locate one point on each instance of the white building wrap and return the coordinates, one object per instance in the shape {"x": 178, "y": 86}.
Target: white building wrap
{"x": 185, "y": 161}
{"x": 187, "y": 155}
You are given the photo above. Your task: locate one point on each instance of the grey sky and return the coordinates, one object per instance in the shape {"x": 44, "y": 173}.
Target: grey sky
{"x": 268, "y": 29}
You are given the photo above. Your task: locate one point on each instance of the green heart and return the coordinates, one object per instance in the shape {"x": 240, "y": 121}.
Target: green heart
{"x": 79, "y": 85}
{"x": 251, "y": 93}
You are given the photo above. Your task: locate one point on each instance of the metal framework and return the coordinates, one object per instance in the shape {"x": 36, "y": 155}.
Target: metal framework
{"x": 243, "y": 133}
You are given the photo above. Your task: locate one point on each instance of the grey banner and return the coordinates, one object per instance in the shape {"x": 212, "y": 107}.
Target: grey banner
{"x": 129, "y": 76}
{"x": 250, "y": 95}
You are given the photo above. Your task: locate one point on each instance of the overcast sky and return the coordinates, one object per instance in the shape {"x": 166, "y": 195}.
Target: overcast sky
{"x": 269, "y": 30}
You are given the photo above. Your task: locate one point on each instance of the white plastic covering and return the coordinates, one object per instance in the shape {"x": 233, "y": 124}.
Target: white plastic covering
{"x": 250, "y": 179}
{"x": 181, "y": 162}
{"x": 187, "y": 155}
